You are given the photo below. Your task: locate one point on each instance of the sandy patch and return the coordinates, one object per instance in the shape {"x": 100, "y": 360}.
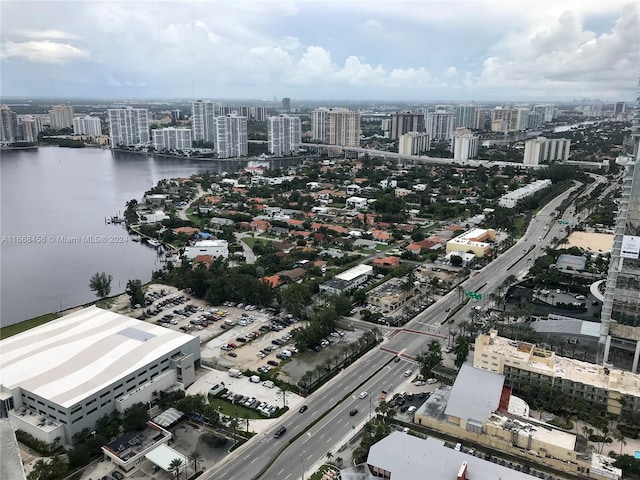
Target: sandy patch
{"x": 593, "y": 242}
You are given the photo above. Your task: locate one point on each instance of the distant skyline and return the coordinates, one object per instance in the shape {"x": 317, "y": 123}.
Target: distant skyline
{"x": 453, "y": 50}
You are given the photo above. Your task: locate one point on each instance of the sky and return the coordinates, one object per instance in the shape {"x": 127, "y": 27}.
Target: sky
{"x": 422, "y": 50}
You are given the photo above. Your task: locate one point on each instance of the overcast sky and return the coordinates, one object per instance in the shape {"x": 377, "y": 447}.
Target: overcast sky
{"x": 380, "y": 50}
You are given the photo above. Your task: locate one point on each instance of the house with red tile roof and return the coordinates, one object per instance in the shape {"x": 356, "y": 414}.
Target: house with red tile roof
{"x": 387, "y": 262}
{"x": 260, "y": 226}
{"x": 205, "y": 259}
{"x": 186, "y": 230}
{"x": 274, "y": 280}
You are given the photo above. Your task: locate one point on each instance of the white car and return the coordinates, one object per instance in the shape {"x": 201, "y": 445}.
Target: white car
{"x": 408, "y": 373}
{"x": 363, "y": 395}
{"x": 431, "y": 381}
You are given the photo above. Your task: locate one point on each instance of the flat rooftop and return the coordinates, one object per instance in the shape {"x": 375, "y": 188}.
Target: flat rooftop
{"x": 70, "y": 358}
{"x": 355, "y": 272}
{"x": 537, "y": 430}
{"x": 575, "y": 370}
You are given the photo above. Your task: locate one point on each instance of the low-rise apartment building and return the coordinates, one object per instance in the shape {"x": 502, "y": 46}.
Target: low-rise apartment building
{"x": 474, "y": 241}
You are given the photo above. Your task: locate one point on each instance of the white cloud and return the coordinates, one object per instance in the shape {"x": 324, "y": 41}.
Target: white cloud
{"x": 44, "y": 51}
{"x": 50, "y": 34}
{"x": 450, "y": 72}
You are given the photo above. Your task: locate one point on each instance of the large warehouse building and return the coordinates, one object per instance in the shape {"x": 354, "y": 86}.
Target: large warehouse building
{"x": 61, "y": 377}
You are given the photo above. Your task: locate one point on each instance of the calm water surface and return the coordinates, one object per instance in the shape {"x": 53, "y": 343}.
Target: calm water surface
{"x": 54, "y": 196}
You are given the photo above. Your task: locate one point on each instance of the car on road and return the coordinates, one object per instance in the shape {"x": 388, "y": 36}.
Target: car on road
{"x": 448, "y": 309}
{"x": 303, "y": 409}
{"x": 363, "y": 395}
{"x": 232, "y": 354}
{"x": 280, "y": 432}
{"x": 408, "y": 373}
{"x": 448, "y": 350}
{"x": 354, "y": 411}
{"x": 397, "y": 359}
{"x": 419, "y": 384}
{"x": 431, "y": 381}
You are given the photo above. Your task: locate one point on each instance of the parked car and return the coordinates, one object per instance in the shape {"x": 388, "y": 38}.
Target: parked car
{"x": 431, "y": 381}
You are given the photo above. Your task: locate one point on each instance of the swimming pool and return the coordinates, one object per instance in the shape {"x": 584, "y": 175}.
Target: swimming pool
{"x": 636, "y": 454}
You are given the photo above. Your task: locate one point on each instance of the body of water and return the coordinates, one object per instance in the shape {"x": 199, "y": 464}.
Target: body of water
{"x": 520, "y": 136}
{"x": 54, "y": 203}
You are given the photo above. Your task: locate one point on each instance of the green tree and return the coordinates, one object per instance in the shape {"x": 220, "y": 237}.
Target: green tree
{"x": 456, "y": 260}
{"x": 430, "y": 359}
{"x": 195, "y": 457}
{"x": 461, "y": 349}
{"x": 100, "y": 283}
{"x": 135, "y": 417}
{"x": 175, "y": 466}
{"x": 136, "y": 292}
{"x": 49, "y": 469}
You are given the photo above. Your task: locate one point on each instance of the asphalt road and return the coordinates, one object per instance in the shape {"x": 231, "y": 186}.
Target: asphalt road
{"x": 249, "y": 460}
{"x": 291, "y": 459}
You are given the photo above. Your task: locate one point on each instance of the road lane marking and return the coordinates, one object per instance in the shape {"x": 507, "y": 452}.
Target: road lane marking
{"x": 254, "y": 459}
{"x": 280, "y": 472}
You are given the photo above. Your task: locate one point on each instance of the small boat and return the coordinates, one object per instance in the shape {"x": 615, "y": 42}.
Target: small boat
{"x": 153, "y": 242}
{"x": 135, "y": 239}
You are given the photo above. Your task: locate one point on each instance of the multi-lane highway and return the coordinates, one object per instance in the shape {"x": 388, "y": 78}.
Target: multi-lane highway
{"x": 373, "y": 373}
{"x": 267, "y": 457}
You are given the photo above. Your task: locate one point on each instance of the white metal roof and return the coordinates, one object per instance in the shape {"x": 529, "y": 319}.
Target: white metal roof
{"x": 68, "y": 359}
{"x": 355, "y": 272}
{"x": 475, "y": 394}
{"x": 163, "y": 455}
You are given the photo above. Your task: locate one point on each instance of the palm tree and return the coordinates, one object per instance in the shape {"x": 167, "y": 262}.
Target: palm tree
{"x": 329, "y": 456}
{"x": 175, "y": 466}
{"x": 619, "y": 436}
{"x": 195, "y": 457}
{"x": 282, "y": 392}
{"x": 339, "y": 461}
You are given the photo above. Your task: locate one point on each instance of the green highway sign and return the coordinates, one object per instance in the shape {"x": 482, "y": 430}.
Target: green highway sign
{"x": 474, "y": 295}
{"x": 563, "y": 222}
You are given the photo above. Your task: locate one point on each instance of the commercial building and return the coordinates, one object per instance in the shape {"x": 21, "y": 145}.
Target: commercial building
{"x": 203, "y": 113}
{"x": 284, "y": 135}
{"x": 336, "y": 126}
{"x": 391, "y": 295}
{"x": 439, "y": 124}
{"x": 546, "y": 150}
{"x": 347, "y": 280}
{"x": 87, "y": 125}
{"x": 403, "y": 456}
{"x": 286, "y": 104}
{"x": 230, "y": 139}
{"x": 620, "y": 321}
{"x": 511, "y": 199}
{"x": 214, "y": 248}
{"x": 8, "y": 125}
{"x": 479, "y": 410}
{"x": 171, "y": 138}
{"x": 525, "y": 365}
{"x": 405, "y": 122}
{"x": 465, "y": 144}
{"x": 61, "y": 377}
{"x": 414, "y": 143}
{"x": 473, "y": 241}
{"x": 61, "y": 116}
{"x": 465, "y": 116}
{"x": 128, "y": 126}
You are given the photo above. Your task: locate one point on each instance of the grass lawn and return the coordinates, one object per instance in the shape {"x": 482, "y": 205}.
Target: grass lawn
{"x": 250, "y": 241}
{"x": 231, "y": 410}
{"x": 16, "y": 328}
{"x": 381, "y": 246}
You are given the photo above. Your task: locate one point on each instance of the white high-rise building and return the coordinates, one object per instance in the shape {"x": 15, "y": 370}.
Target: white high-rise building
{"x": 203, "y": 113}
{"x": 29, "y": 128}
{"x": 522, "y": 118}
{"x": 61, "y": 116}
{"x": 128, "y": 126}
{"x": 8, "y": 125}
{"x": 548, "y": 111}
{"x": 231, "y": 136}
{"x": 439, "y": 124}
{"x": 87, "y": 125}
{"x": 413, "y": 143}
{"x": 465, "y": 116}
{"x": 172, "y": 138}
{"x": 285, "y": 134}
{"x": 336, "y": 126}
{"x": 465, "y": 144}
{"x": 541, "y": 149}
